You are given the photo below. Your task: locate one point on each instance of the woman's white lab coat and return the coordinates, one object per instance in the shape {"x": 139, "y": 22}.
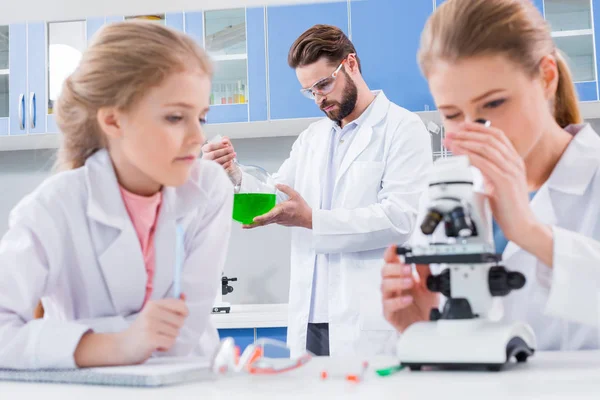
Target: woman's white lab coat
{"x": 72, "y": 243}
{"x": 562, "y": 303}
{"x": 375, "y": 204}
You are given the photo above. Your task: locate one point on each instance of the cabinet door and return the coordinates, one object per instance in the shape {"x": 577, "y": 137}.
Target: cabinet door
{"x": 4, "y": 79}
{"x": 67, "y": 40}
{"x": 93, "y": 25}
{"x": 573, "y": 32}
{"x": 225, "y": 41}
{"x": 388, "y": 53}
{"x": 284, "y": 25}
{"x": 279, "y": 334}
{"x": 242, "y": 337}
{"x": 257, "y": 64}
{"x": 17, "y": 80}
{"x": 596, "y": 33}
{"x": 174, "y": 20}
{"x": 36, "y": 77}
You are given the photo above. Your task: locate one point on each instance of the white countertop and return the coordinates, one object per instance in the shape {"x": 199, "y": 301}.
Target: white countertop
{"x": 253, "y": 316}
{"x": 545, "y": 376}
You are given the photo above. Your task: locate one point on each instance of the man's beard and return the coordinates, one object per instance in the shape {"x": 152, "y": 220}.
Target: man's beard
{"x": 345, "y": 108}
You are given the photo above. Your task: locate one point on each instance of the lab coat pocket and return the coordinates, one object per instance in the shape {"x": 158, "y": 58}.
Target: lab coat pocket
{"x": 364, "y": 183}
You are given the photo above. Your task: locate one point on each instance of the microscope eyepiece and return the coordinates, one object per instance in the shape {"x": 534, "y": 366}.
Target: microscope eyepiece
{"x": 484, "y": 122}
{"x": 431, "y": 221}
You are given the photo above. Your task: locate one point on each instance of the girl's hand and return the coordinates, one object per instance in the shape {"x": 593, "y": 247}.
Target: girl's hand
{"x": 155, "y": 329}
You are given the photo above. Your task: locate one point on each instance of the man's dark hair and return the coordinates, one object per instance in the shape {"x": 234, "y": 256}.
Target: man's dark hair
{"x": 321, "y": 41}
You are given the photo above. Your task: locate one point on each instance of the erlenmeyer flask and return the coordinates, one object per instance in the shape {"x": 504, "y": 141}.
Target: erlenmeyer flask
{"x": 254, "y": 194}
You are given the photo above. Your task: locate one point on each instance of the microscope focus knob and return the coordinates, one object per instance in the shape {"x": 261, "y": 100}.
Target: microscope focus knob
{"x": 502, "y": 281}
{"x": 435, "y": 314}
{"x": 440, "y": 283}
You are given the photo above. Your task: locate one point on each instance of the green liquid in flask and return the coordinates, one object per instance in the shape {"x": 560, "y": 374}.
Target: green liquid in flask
{"x": 246, "y": 206}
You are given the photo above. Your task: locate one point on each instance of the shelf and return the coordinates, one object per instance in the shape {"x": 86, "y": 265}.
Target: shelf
{"x": 229, "y": 57}
{"x": 30, "y": 142}
{"x": 241, "y": 130}
{"x": 4, "y": 71}
{"x": 578, "y": 32}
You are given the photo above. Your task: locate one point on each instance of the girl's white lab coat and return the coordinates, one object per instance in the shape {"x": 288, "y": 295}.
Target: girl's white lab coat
{"x": 375, "y": 204}
{"x": 72, "y": 243}
{"x": 561, "y": 303}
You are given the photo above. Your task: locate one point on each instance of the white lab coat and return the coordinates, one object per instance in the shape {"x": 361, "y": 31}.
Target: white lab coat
{"x": 561, "y": 303}
{"x": 375, "y": 204}
{"x": 72, "y": 243}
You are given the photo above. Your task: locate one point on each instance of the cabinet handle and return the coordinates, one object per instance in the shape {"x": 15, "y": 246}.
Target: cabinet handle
{"x": 21, "y": 111}
{"x": 32, "y": 110}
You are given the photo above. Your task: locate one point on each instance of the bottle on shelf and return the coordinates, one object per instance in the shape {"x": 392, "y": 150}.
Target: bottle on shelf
{"x": 236, "y": 95}
{"x": 229, "y": 94}
{"x": 240, "y": 91}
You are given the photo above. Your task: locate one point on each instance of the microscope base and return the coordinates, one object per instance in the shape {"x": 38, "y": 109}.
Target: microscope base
{"x": 465, "y": 344}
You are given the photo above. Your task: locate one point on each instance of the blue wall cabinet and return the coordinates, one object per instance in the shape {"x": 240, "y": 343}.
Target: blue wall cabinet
{"x": 174, "y": 20}
{"x": 540, "y": 5}
{"x": 18, "y": 79}
{"x": 36, "y": 74}
{"x": 572, "y": 25}
{"x": 93, "y": 25}
{"x": 244, "y": 337}
{"x": 4, "y": 79}
{"x": 66, "y": 42}
{"x": 279, "y": 334}
{"x": 388, "y": 53}
{"x": 224, "y": 34}
{"x": 257, "y": 63}
{"x": 284, "y": 25}
{"x": 27, "y": 79}
{"x": 596, "y": 33}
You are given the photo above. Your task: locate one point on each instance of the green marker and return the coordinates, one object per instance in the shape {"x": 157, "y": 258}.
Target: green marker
{"x": 389, "y": 371}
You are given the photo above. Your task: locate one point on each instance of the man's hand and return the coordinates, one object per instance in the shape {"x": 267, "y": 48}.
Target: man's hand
{"x": 293, "y": 212}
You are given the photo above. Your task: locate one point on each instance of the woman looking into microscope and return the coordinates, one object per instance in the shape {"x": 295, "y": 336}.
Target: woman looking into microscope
{"x": 496, "y": 60}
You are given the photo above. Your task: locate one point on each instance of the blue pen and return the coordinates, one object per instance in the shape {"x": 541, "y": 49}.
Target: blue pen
{"x": 179, "y": 255}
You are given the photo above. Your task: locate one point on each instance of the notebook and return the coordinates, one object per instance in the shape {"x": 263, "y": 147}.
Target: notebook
{"x": 153, "y": 373}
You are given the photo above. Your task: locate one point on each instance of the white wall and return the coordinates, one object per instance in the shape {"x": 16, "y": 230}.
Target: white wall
{"x": 258, "y": 258}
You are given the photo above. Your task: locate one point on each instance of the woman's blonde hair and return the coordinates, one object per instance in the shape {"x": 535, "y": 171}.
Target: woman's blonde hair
{"x": 515, "y": 28}
{"x": 122, "y": 62}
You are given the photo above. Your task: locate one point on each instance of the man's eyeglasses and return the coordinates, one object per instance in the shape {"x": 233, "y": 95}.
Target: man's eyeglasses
{"x": 323, "y": 86}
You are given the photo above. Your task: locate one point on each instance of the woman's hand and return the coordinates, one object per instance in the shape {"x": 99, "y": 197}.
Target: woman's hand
{"x": 405, "y": 296}
{"x": 505, "y": 181}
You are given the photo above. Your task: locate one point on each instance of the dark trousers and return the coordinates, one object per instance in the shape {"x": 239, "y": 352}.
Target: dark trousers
{"x": 317, "y": 339}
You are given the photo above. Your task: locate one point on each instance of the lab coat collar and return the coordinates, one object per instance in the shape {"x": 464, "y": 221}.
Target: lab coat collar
{"x": 579, "y": 163}
{"x": 375, "y": 113}
{"x": 572, "y": 175}
{"x": 106, "y": 205}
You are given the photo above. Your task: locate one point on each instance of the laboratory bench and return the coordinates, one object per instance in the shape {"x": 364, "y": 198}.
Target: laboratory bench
{"x": 246, "y": 323}
{"x": 551, "y": 375}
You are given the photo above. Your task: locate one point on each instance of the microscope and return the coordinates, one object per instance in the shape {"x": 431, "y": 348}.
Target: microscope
{"x": 220, "y": 305}
{"x": 466, "y": 333}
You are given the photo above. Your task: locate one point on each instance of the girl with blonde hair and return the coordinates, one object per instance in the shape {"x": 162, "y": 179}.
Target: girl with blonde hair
{"x": 125, "y": 245}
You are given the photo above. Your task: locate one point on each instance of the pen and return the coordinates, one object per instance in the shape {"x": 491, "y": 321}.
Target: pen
{"x": 179, "y": 255}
